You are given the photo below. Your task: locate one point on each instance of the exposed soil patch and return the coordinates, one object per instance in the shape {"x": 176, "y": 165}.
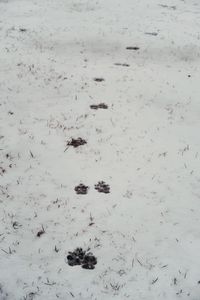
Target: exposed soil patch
{"x": 102, "y": 187}
{"x": 97, "y": 106}
{"x": 82, "y": 258}
{"x": 76, "y": 142}
{"x": 132, "y": 48}
{"x": 81, "y": 189}
{"x": 99, "y": 79}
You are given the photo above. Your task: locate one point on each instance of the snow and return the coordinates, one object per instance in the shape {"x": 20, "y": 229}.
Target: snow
{"x": 145, "y": 146}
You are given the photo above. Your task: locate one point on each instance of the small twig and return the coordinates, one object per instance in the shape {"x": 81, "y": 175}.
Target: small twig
{"x": 164, "y": 266}
{"x": 72, "y": 294}
{"x": 56, "y": 249}
{"x": 40, "y": 232}
{"x": 91, "y": 217}
{"x": 66, "y": 149}
{"x": 10, "y": 251}
{"x": 5, "y": 251}
{"x": 92, "y": 223}
{"x": 155, "y": 280}
{"x": 47, "y": 283}
{"x": 140, "y": 262}
{"x": 133, "y": 239}
{"x": 31, "y": 154}
{"x": 133, "y": 260}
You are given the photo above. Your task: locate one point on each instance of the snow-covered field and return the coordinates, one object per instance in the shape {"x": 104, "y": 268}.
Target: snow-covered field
{"x": 145, "y": 233}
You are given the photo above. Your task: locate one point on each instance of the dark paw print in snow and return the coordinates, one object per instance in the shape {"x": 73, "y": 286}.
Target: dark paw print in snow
{"x": 76, "y": 142}
{"x": 81, "y": 189}
{"x": 89, "y": 261}
{"x": 79, "y": 257}
{"x": 76, "y": 257}
{"x": 100, "y": 105}
{"x": 102, "y": 187}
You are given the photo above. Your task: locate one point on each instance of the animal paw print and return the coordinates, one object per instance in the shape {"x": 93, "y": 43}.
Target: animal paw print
{"x": 79, "y": 257}
{"x": 102, "y": 187}
{"x": 81, "y": 189}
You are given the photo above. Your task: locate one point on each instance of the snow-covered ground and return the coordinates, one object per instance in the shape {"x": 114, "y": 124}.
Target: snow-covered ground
{"x": 146, "y": 232}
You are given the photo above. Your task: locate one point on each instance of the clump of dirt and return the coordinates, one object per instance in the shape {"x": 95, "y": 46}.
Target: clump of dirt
{"x": 81, "y": 189}
{"x": 99, "y": 79}
{"x": 132, "y": 48}
{"x": 100, "y": 105}
{"x": 76, "y": 142}
{"x": 102, "y": 187}
{"x": 81, "y": 258}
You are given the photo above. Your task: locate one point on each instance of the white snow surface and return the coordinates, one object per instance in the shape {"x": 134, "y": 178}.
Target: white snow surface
{"x": 146, "y": 146}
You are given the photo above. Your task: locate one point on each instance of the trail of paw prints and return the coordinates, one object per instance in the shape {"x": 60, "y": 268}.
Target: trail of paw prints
{"x": 101, "y": 187}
